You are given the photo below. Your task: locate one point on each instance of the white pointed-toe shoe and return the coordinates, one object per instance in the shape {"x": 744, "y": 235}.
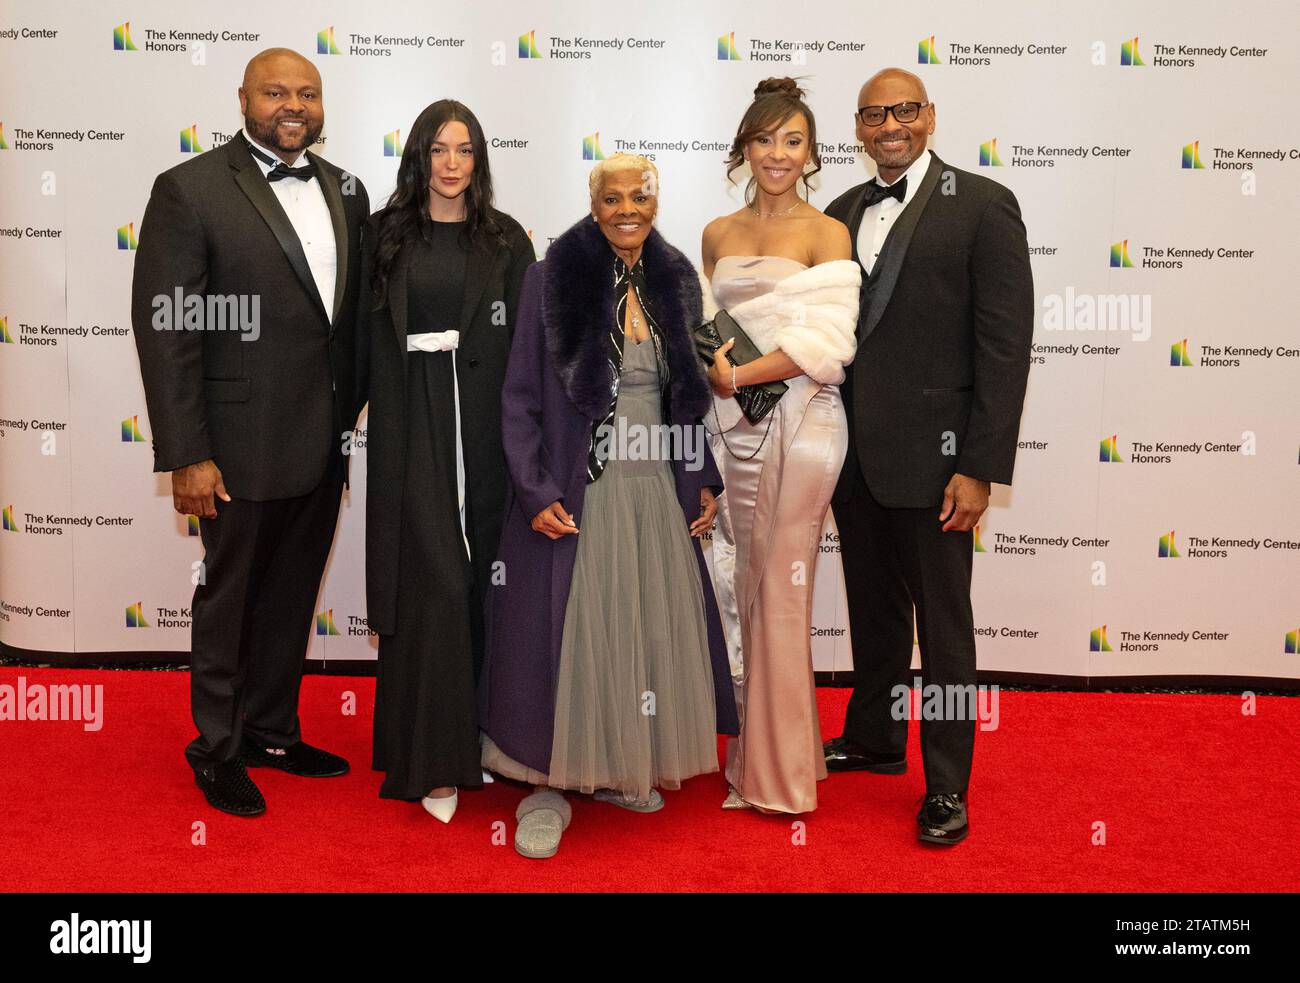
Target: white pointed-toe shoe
{"x": 442, "y": 809}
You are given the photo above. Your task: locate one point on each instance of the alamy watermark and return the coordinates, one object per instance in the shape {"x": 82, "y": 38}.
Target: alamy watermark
{"x": 947, "y": 702}
{"x": 179, "y": 311}
{"x": 1098, "y": 312}
{"x": 655, "y": 442}
{"x": 102, "y": 936}
{"x": 37, "y": 701}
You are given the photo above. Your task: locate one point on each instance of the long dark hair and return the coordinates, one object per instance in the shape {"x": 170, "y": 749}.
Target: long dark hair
{"x": 407, "y": 213}
{"x": 775, "y": 101}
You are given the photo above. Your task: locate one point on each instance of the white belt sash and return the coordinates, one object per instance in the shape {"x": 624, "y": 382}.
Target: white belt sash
{"x": 447, "y": 341}
{"x": 433, "y": 341}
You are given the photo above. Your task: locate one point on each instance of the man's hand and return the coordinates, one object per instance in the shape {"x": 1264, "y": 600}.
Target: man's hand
{"x": 708, "y": 509}
{"x": 193, "y": 487}
{"x": 964, "y": 501}
{"x": 553, "y": 522}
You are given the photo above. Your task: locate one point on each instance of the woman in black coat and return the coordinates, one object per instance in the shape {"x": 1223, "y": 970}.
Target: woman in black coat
{"x": 443, "y": 270}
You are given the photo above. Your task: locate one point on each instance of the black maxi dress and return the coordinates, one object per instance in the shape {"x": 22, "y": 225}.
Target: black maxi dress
{"x": 426, "y": 724}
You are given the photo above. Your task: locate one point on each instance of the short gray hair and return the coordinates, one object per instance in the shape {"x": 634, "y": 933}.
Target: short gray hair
{"x": 623, "y": 162}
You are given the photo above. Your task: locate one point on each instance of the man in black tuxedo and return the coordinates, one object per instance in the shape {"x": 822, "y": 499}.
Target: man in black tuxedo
{"x": 243, "y": 302}
{"x": 933, "y": 401}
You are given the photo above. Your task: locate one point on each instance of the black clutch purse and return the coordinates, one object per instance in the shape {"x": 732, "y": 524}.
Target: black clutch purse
{"x": 755, "y": 401}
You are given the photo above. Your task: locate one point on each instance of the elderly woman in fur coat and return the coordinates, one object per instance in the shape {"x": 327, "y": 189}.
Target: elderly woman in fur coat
{"x": 606, "y": 669}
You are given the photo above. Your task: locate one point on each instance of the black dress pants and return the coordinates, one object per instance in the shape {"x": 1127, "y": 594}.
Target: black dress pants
{"x": 252, "y": 617}
{"x": 895, "y": 560}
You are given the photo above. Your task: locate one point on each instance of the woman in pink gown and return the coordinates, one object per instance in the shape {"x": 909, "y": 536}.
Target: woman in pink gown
{"x": 782, "y": 270}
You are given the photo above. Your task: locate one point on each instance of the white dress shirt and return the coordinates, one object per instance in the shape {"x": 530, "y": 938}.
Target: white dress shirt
{"x": 304, "y": 203}
{"x": 880, "y": 217}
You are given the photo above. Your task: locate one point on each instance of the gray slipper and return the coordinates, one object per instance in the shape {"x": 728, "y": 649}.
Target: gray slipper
{"x": 543, "y": 818}
{"x": 654, "y": 803}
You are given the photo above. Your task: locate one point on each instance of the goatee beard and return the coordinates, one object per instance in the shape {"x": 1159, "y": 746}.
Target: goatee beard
{"x": 268, "y": 136}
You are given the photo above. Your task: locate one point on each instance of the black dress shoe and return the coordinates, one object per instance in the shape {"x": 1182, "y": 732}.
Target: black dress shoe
{"x": 227, "y": 787}
{"x": 844, "y": 755}
{"x": 942, "y": 818}
{"x": 297, "y": 759}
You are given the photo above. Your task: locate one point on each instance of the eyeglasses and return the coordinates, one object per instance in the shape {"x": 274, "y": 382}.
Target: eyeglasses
{"x": 904, "y": 112}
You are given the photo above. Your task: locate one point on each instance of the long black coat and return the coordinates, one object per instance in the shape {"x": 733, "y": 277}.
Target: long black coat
{"x": 272, "y": 411}
{"x": 494, "y": 278}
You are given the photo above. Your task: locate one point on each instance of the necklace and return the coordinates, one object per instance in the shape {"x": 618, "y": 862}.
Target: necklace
{"x": 636, "y": 322}
{"x": 631, "y": 292}
{"x": 775, "y": 214}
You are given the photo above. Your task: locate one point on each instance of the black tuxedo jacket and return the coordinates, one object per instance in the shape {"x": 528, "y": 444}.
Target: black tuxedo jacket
{"x": 272, "y": 411}
{"x": 944, "y": 336}
{"x": 494, "y": 278}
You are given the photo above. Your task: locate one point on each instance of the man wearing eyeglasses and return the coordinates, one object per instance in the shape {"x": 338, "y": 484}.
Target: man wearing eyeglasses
{"x": 933, "y": 400}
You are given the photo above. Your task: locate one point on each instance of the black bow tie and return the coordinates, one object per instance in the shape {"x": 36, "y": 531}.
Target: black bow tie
{"x": 280, "y": 170}
{"x": 876, "y": 193}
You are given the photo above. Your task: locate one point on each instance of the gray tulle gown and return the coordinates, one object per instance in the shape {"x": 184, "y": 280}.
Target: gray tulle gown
{"x": 634, "y": 703}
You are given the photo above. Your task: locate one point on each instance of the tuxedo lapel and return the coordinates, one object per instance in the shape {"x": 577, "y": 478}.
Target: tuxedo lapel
{"x": 478, "y": 270}
{"x": 253, "y": 183}
{"x": 854, "y": 222}
{"x": 329, "y": 184}
{"x": 884, "y": 274}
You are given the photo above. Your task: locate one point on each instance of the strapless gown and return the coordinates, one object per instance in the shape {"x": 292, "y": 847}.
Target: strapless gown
{"x": 779, "y": 475}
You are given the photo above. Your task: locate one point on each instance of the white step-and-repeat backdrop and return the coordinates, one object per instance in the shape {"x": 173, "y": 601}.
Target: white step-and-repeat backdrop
{"x": 1154, "y": 147}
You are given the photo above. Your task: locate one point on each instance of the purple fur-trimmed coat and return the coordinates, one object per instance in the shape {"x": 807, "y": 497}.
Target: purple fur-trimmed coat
{"x": 557, "y": 385}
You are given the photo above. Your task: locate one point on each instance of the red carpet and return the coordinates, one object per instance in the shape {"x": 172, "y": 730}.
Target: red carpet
{"x": 1190, "y": 792}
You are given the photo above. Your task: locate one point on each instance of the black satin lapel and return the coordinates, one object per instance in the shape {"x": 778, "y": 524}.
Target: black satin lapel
{"x": 855, "y": 223}
{"x": 478, "y": 270}
{"x": 884, "y": 275}
{"x": 258, "y": 190}
{"x": 397, "y": 298}
{"x": 329, "y": 185}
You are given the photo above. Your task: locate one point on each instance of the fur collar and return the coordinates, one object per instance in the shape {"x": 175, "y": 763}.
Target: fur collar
{"x": 578, "y": 303}
{"x": 811, "y": 315}
{"x": 836, "y": 280}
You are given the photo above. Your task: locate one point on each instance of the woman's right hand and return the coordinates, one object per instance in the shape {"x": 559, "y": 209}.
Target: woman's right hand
{"x": 553, "y": 522}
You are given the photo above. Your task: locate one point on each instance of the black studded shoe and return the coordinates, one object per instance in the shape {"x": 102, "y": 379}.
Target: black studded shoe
{"x": 297, "y": 759}
{"x": 227, "y": 787}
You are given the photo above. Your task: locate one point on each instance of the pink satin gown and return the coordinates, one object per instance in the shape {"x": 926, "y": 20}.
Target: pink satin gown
{"x": 770, "y": 517}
